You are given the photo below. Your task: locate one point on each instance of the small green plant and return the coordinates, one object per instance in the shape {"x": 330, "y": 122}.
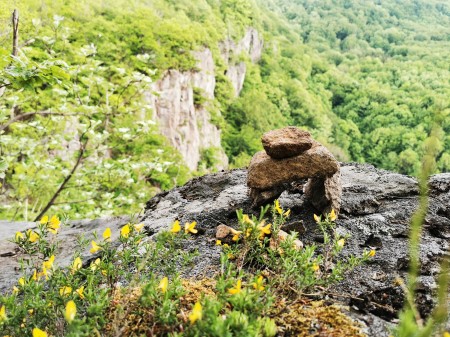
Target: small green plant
{"x": 125, "y": 289}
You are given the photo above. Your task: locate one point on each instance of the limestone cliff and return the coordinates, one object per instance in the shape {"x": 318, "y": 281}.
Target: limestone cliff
{"x": 186, "y": 124}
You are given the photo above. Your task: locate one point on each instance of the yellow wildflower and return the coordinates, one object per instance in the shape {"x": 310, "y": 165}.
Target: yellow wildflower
{"x": 333, "y": 215}
{"x": 34, "y": 277}
{"x": 247, "y": 220}
{"x": 287, "y": 213}
{"x": 19, "y": 236}
{"x": 236, "y": 234}
{"x": 190, "y": 227}
{"x": 317, "y": 218}
{"x": 21, "y": 281}
{"x": 125, "y": 231}
{"x": 218, "y": 242}
{"x": 49, "y": 263}
{"x": 264, "y": 229}
{"x": 15, "y": 290}
{"x": 225, "y": 245}
{"x": 104, "y": 272}
{"x": 278, "y": 208}
{"x": 3, "y": 316}
{"x": 107, "y": 234}
{"x": 71, "y": 311}
{"x": 32, "y": 236}
{"x": 79, "y": 291}
{"x": 176, "y": 227}
{"x": 44, "y": 220}
{"x": 95, "y": 264}
{"x": 76, "y": 265}
{"x": 196, "y": 313}
{"x": 446, "y": 334}
{"x": 236, "y": 289}
{"x": 54, "y": 224}
{"x": 258, "y": 285}
{"x": 65, "y": 291}
{"x": 31, "y": 311}
{"x": 248, "y": 232}
{"x": 315, "y": 267}
{"x": 372, "y": 254}
{"x": 139, "y": 227}
{"x": 39, "y": 333}
{"x": 95, "y": 247}
{"x": 44, "y": 272}
{"x": 341, "y": 243}
{"x": 163, "y": 284}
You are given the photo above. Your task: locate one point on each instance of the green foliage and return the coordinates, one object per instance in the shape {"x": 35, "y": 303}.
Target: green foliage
{"x": 126, "y": 288}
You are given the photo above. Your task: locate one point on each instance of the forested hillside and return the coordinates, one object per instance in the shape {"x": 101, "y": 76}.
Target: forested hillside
{"x": 368, "y": 79}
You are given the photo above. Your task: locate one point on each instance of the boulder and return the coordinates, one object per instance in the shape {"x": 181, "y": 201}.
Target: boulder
{"x": 287, "y": 142}
{"x": 265, "y": 172}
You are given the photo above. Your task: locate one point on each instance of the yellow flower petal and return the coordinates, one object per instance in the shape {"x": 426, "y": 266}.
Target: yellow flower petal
{"x": 218, "y": 242}
{"x": 65, "y": 291}
{"x": 236, "y": 289}
{"x": 95, "y": 247}
{"x": 54, "y": 224}
{"x": 39, "y": 333}
{"x": 44, "y": 220}
{"x": 79, "y": 291}
{"x": 71, "y": 311}
{"x": 258, "y": 285}
{"x": 3, "y": 316}
{"x": 21, "y": 281}
{"x": 341, "y": 243}
{"x": 176, "y": 227}
{"x": 34, "y": 277}
{"x": 190, "y": 227}
{"x": 139, "y": 227}
{"x": 372, "y": 254}
{"x": 315, "y": 267}
{"x": 316, "y": 218}
{"x": 287, "y": 213}
{"x": 107, "y": 234}
{"x": 32, "y": 236}
{"x": 19, "y": 236}
{"x": 333, "y": 215}
{"x": 77, "y": 264}
{"x": 246, "y": 219}
{"x": 49, "y": 263}
{"x": 95, "y": 264}
{"x": 196, "y": 313}
{"x": 163, "y": 284}
{"x": 125, "y": 231}
{"x": 15, "y": 290}
{"x": 278, "y": 208}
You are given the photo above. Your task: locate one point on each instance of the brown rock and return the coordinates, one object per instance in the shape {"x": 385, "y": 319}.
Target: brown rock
{"x": 260, "y": 197}
{"x": 265, "y": 172}
{"x": 325, "y": 193}
{"x": 287, "y": 142}
{"x": 222, "y": 232}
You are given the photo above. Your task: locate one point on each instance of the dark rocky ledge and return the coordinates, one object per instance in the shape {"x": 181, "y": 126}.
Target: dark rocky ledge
{"x": 376, "y": 209}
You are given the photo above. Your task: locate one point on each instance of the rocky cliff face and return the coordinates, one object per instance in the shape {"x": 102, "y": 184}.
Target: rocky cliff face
{"x": 376, "y": 209}
{"x": 187, "y": 124}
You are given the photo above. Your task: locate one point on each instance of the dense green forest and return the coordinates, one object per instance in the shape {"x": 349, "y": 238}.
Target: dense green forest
{"x": 368, "y": 79}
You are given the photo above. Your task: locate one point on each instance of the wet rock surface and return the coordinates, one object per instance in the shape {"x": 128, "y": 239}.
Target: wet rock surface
{"x": 376, "y": 209}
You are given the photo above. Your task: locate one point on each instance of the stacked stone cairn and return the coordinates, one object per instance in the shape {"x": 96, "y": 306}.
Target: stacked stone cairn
{"x": 291, "y": 154}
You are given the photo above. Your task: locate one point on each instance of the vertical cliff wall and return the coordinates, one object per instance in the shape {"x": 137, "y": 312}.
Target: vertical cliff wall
{"x": 187, "y": 124}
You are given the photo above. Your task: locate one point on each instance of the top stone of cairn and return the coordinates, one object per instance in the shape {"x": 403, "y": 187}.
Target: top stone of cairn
{"x": 287, "y": 142}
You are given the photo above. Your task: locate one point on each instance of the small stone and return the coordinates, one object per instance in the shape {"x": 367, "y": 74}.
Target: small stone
{"x": 287, "y": 142}
{"x": 222, "y": 232}
{"x": 282, "y": 235}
